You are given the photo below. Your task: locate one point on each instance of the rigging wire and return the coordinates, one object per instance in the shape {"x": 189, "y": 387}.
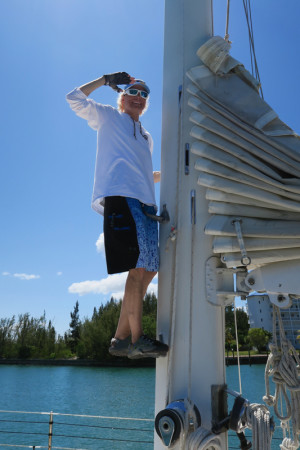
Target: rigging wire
{"x": 38, "y": 446}
{"x": 102, "y": 439}
{"x": 22, "y": 421}
{"x": 23, "y": 432}
{"x": 101, "y": 427}
{"x": 227, "y": 22}
{"x": 78, "y": 415}
{"x": 212, "y": 17}
{"x": 112, "y": 427}
{"x": 76, "y": 436}
{"x": 253, "y": 60}
{"x": 254, "y": 65}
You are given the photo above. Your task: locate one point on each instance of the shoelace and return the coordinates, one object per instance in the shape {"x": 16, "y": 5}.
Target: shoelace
{"x": 152, "y": 341}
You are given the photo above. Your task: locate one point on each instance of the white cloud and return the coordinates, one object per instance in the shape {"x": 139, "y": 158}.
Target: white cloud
{"x": 152, "y": 288}
{"x": 21, "y": 276}
{"x": 112, "y": 284}
{"x": 25, "y": 276}
{"x": 100, "y": 243}
{"x": 58, "y": 274}
{"x": 117, "y": 295}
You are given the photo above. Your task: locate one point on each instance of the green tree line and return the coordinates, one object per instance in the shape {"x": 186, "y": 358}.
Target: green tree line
{"x": 26, "y": 337}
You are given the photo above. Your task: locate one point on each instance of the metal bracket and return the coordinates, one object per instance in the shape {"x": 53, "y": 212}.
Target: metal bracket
{"x": 220, "y": 283}
{"x": 220, "y": 417}
{"x": 163, "y": 218}
{"x": 193, "y": 207}
{"x": 245, "y": 260}
{"x": 187, "y": 159}
{"x": 240, "y": 282}
{"x": 222, "y": 420}
{"x": 276, "y": 278}
{"x": 280, "y": 300}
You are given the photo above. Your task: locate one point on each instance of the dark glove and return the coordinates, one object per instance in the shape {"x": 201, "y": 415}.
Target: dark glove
{"x": 113, "y": 79}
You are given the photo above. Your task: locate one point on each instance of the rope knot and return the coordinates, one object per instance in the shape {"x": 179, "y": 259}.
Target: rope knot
{"x": 289, "y": 444}
{"x": 284, "y": 424}
{"x": 269, "y": 400}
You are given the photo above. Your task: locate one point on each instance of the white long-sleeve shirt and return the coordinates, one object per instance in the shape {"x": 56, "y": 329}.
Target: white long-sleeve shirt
{"x": 124, "y": 156}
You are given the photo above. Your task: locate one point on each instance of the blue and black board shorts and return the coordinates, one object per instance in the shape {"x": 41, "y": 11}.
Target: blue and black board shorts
{"x": 130, "y": 237}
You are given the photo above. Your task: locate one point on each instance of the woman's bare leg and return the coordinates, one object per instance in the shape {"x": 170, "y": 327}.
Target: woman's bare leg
{"x": 130, "y": 320}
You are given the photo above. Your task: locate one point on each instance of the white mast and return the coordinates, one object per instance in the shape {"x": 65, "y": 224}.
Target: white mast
{"x": 193, "y": 327}
{"x": 233, "y": 126}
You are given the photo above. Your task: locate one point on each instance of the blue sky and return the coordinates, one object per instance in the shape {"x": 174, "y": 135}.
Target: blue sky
{"x": 48, "y": 230}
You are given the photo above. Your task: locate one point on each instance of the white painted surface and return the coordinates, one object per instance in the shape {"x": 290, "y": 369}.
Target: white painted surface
{"x": 196, "y": 356}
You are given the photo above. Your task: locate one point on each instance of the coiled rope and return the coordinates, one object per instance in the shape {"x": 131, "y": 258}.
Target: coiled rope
{"x": 202, "y": 439}
{"x": 284, "y": 365}
{"x": 288, "y": 444}
{"x": 258, "y": 420}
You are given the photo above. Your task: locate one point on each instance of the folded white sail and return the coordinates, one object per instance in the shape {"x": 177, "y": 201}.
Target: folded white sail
{"x": 262, "y": 257}
{"x": 249, "y": 161}
{"x": 228, "y": 244}
{"x": 224, "y": 226}
{"x": 232, "y": 209}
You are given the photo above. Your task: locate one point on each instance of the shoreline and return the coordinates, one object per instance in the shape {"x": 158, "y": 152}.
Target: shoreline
{"x": 245, "y": 359}
{"x": 121, "y": 362}
{"x": 147, "y": 362}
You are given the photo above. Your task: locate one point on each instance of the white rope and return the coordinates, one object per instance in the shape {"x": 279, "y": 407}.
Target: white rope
{"x": 191, "y": 309}
{"x": 258, "y": 420}
{"x": 283, "y": 365}
{"x": 288, "y": 444}
{"x": 202, "y": 439}
{"x": 174, "y": 270}
{"x": 237, "y": 348}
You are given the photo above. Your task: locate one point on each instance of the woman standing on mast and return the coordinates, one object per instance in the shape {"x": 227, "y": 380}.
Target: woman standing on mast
{"x": 123, "y": 193}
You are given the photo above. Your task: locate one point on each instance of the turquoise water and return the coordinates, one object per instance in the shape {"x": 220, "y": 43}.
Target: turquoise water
{"x": 121, "y": 392}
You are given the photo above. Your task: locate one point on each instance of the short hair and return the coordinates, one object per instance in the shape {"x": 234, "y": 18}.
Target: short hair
{"x": 120, "y": 107}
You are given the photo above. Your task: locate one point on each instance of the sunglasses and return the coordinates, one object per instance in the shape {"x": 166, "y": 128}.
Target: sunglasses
{"x": 135, "y": 92}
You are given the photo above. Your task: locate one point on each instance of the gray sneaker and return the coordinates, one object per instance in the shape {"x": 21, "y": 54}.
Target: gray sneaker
{"x": 146, "y": 347}
{"x": 119, "y": 347}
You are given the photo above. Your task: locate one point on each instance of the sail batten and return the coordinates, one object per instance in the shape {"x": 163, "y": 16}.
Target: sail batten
{"x": 248, "y": 161}
{"x": 223, "y": 226}
{"x": 230, "y": 209}
{"x": 228, "y": 244}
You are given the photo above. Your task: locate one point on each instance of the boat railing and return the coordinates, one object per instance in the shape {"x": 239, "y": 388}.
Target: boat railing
{"x": 64, "y": 431}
